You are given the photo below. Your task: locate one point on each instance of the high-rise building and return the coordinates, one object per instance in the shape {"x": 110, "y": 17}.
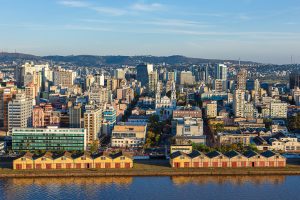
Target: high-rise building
{"x": 6, "y": 95}
{"x": 153, "y": 79}
{"x": 221, "y": 72}
{"x": 38, "y": 117}
{"x": 119, "y": 73}
{"x": 19, "y": 112}
{"x": 256, "y": 85}
{"x": 89, "y": 81}
{"x": 92, "y": 123}
{"x": 241, "y": 80}
{"x": 239, "y": 103}
{"x": 142, "y": 73}
{"x": 294, "y": 80}
{"x": 109, "y": 119}
{"x": 63, "y": 77}
{"x": 75, "y": 116}
{"x": 100, "y": 95}
{"x": 99, "y": 79}
{"x": 186, "y": 77}
{"x": 211, "y": 109}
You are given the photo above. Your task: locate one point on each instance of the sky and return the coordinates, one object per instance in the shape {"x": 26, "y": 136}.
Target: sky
{"x": 258, "y": 30}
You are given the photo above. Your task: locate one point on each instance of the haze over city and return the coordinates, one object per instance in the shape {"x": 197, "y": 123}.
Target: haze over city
{"x": 262, "y": 31}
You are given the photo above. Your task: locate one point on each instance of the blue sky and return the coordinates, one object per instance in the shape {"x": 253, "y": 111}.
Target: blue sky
{"x": 258, "y": 30}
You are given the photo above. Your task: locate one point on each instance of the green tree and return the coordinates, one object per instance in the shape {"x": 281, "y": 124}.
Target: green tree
{"x": 94, "y": 147}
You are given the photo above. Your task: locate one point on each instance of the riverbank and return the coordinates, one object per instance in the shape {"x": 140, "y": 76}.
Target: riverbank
{"x": 153, "y": 168}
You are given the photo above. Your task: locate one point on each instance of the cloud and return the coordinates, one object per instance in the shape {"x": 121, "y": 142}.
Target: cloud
{"x": 109, "y": 11}
{"x": 147, "y": 7}
{"x": 99, "y": 9}
{"x": 113, "y": 11}
{"x": 74, "y": 3}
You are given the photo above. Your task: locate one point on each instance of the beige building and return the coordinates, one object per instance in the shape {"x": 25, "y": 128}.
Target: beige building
{"x": 186, "y": 77}
{"x": 228, "y": 139}
{"x": 131, "y": 135}
{"x": 239, "y": 103}
{"x": 211, "y": 109}
{"x": 153, "y": 79}
{"x": 278, "y": 110}
{"x": 92, "y": 123}
{"x": 63, "y": 77}
{"x": 241, "y": 80}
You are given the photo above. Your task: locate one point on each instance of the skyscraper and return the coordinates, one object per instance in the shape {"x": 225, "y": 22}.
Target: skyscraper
{"x": 239, "y": 103}
{"x": 186, "y": 77}
{"x": 92, "y": 123}
{"x": 241, "y": 80}
{"x": 75, "y": 116}
{"x": 19, "y": 112}
{"x": 153, "y": 78}
{"x": 221, "y": 72}
{"x": 142, "y": 73}
{"x": 294, "y": 80}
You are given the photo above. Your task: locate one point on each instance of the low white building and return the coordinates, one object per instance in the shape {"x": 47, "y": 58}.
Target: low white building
{"x": 285, "y": 144}
{"x": 129, "y": 135}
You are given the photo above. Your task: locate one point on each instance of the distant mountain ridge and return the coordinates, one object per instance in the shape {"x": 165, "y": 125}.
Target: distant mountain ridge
{"x": 93, "y": 60}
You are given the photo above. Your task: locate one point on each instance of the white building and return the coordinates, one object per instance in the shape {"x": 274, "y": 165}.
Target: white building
{"x": 189, "y": 127}
{"x": 129, "y": 135}
{"x": 285, "y": 144}
{"x": 278, "y": 110}
{"x": 164, "y": 106}
{"x": 239, "y": 103}
{"x": 19, "y": 112}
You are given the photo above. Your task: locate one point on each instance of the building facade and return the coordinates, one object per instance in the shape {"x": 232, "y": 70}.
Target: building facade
{"x": 50, "y": 138}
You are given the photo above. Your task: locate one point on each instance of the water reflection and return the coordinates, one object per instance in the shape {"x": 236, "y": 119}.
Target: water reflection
{"x": 234, "y": 180}
{"x": 73, "y": 181}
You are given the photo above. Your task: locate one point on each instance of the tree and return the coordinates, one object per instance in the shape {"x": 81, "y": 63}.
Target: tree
{"x": 94, "y": 147}
{"x": 157, "y": 139}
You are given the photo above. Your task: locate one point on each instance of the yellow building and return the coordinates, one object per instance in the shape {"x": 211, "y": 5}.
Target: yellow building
{"x": 180, "y": 160}
{"x": 63, "y": 161}
{"x": 83, "y": 161}
{"x": 24, "y": 162}
{"x": 44, "y": 161}
{"x": 199, "y": 159}
{"x": 121, "y": 160}
{"x": 237, "y": 159}
{"x": 218, "y": 159}
{"x": 230, "y": 159}
{"x": 76, "y": 161}
{"x": 102, "y": 160}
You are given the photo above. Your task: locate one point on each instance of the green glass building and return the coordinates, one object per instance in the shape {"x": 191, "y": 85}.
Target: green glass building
{"x": 49, "y": 139}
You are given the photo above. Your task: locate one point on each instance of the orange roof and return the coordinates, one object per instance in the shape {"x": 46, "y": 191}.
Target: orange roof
{"x": 129, "y": 128}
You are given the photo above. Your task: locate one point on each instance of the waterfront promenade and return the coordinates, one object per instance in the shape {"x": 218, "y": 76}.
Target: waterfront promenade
{"x": 152, "y": 168}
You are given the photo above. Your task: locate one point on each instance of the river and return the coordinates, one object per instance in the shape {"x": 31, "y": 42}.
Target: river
{"x": 144, "y": 188}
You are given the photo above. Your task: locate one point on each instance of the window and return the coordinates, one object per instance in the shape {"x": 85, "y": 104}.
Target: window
{"x": 103, "y": 158}
{"x": 122, "y": 158}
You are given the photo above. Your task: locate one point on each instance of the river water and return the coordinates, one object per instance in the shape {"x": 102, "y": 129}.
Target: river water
{"x": 144, "y": 188}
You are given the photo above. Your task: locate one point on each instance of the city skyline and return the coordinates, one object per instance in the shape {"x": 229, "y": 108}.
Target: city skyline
{"x": 252, "y": 30}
